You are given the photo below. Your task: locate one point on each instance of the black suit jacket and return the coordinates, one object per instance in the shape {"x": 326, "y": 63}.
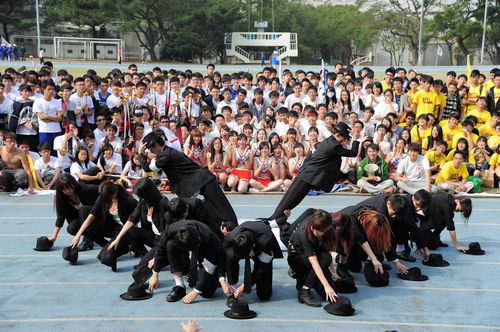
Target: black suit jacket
{"x": 185, "y": 176}
{"x": 210, "y": 244}
{"x": 126, "y": 205}
{"x": 87, "y": 194}
{"x": 406, "y": 220}
{"x": 441, "y": 211}
{"x": 265, "y": 241}
{"x": 322, "y": 168}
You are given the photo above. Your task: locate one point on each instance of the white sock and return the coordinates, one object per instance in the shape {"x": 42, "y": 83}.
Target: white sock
{"x": 179, "y": 281}
{"x": 400, "y": 247}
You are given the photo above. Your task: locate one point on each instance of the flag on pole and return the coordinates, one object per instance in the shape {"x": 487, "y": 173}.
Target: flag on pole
{"x": 323, "y": 73}
{"x": 439, "y": 50}
{"x": 469, "y": 69}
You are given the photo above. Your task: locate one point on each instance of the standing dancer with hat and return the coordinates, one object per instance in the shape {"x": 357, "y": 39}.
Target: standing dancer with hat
{"x": 320, "y": 170}
{"x": 186, "y": 178}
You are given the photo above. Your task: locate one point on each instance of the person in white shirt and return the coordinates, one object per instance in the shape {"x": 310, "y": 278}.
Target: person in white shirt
{"x": 49, "y": 112}
{"x": 47, "y": 168}
{"x": 385, "y": 107}
{"x": 115, "y": 99}
{"x": 296, "y": 97}
{"x": 414, "y": 171}
{"x": 5, "y": 107}
{"x": 99, "y": 131}
{"x": 226, "y": 102}
{"x": 110, "y": 162}
{"x": 112, "y": 139}
{"x": 84, "y": 170}
{"x": 66, "y": 146}
{"x": 84, "y": 111}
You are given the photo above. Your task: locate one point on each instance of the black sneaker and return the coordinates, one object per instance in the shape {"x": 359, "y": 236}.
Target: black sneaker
{"x": 307, "y": 298}
{"x": 86, "y": 245}
{"x": 405, "y": 256}
{"x": 176, "y": 294}
{"x": 442, "y": 244}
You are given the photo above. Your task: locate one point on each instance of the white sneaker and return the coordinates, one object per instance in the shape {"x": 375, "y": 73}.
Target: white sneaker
{"x": 253, "y": 191}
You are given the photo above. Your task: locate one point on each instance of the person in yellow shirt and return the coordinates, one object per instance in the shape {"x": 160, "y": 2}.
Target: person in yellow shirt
{"x": 453, "y": 175}
{"x": 387, "y": 82}
{"x": 491, "y": 80}
{"x": 495, "y": 164}
{"x": 437, "y": 158}
{"x": 482, "y": 115}
{"x": 467, "y": 127}
{"x": 487, "y": 130}
{"x": 493, "y": 94}
{"x": 421, "y": 130}
{"x": 413, "y": 90}
{"x": 425, "y": 101}
{"x": 494, "y": 140}
{"x": 463, "y": 146}
{"x": 451, "y": 127}
{"x": 438, "y": 87}
{"x": 475, "y": 91}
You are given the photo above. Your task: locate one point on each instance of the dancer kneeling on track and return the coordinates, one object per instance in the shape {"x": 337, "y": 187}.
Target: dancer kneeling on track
{"x": 185, "y": 176}
{"x": 309, "y": 257}
{"x": 250, "y": 240}
{"x": 70, "y": 199}
{"x": 150, "y": 212}
{"x": 106, "y": 218}
{"x": 442, "y": 208}
{"x": 175, "y": 246}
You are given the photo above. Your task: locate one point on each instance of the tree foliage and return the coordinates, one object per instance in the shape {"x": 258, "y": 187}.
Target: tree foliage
{"x": 16, "y": 16}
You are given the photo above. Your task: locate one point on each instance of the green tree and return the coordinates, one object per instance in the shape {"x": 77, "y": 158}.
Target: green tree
{"x": 456, "y": 24}
{"x": 402, "y": 18}
{"x": 88, "y": 13}
{"x": 16, "y": 16}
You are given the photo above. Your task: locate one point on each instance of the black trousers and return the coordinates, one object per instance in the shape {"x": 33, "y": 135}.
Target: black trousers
{"x": 262, "y": 274}
{"x": 179, "y": 263}
{"x": 140, "y": 237}
{"x": 293, "y": 196}
{"x": 218, "y": 202}
{"x": 305, "y": 274}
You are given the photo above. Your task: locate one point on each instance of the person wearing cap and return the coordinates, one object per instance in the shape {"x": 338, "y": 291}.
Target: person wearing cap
{"x": 250, "y": 240}
{"x": 186, "y": 178}
{"x": 320, "y": 170}
{"x": 442, "y": 211}
{"x": 176, "y": 243}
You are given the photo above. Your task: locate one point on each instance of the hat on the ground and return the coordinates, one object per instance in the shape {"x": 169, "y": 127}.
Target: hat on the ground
{"x": 142, "y": 274}
{"x": 413, "y": 274}
{"x": 43, "y": 244}
{"x": 373, "y": 278}
{"x": 151, "y": 139}
{"x": 343, "y": 129}
{"x": 475, "y": 249}
{"x": 342, "y": 307}
{"x": 70, "y": 254}
{"x": 345, "y": 286}
{"x": 108, "y": 258}
{"x": 435, "y": 260}
{"x": 136, "y": 292}
{"x": 240, "y": 310}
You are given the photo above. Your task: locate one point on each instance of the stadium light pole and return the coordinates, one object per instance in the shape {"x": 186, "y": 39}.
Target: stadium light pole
{"x": 37, "y": 27}
{"x": 420, "y": 30}
{"x": 484, "y": 30}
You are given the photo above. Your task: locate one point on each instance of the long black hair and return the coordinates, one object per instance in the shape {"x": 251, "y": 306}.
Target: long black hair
{"x": 148, "y": 193}
{"x": 107, "y": 190}
{"x": 66, "y": 181}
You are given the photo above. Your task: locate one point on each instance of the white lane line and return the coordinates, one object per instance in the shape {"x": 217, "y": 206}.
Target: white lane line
{"x": 263, "y": 320}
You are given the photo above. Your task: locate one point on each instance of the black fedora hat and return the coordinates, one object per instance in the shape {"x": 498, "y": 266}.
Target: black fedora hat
{"x": 240, "y": 310}
{"x": 343, "y": 129}
{"x": 151, "y": 139}
{"x": 70, "y": 254}
{"x": 345, "y": 286}
{"x": 342, "y": 307}
{"x": 142, "y": 274}
{"x": 136, "y": 292}
{"x": 43, "y": 244}
{"x": 108, "y": 257}
{"x": 414, "y": 274}
{"x": 373, "y": 278}
{"x": 475, "y": 249}
{"x": 435, "y": 260}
